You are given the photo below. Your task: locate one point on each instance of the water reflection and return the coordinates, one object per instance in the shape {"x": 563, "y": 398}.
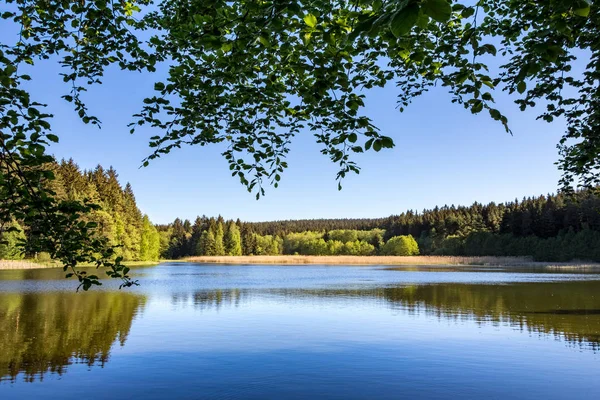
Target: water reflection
{"x": 45, "y": 329}
{"x": 564, "y": 310}
{"x": 46, "y": 332}
{"x": 211, "y": 299}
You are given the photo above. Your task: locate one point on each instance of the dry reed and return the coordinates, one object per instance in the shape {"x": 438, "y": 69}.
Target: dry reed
{"x": 385, "y": 260}
{"x": 26, "y": 264}
{"x": 340, "y": 260}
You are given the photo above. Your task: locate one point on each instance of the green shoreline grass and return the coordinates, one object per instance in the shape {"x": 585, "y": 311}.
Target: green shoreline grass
{"x": 332, "y": 260}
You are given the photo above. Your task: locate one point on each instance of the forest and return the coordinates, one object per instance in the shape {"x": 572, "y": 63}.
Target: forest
{"x": 558, "y": 227}
{"x": 118, "y": 218}
{"x": 548, "y": 228}
{"x": 217, "y": 237}
{"x": 255, "y": 57}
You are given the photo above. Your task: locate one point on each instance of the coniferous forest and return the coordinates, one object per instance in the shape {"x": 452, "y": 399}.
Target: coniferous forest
{"x": 547, "y": 228}
{"x": 118, "y": 219}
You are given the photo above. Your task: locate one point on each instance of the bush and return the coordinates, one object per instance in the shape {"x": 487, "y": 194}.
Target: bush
{"x": 358, "y": 248}
{"x": 373, "y": 236}
{"x": 343, "y": 235}
{"x": 268, "y": 245}
{"x": 401, "y": 246}
{"x": 299, "y": 242}
{"x": 43, "y": 257}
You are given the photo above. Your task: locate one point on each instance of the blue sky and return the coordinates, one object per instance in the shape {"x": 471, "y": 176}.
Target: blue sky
{"x": 443, "y": 155}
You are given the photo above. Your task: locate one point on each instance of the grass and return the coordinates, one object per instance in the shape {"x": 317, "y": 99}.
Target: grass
{"x": 386, "y": 260}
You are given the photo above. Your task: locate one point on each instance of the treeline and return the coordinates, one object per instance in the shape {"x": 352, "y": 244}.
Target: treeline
{"x": 547, "y": 228}
{"x": 217, "y": 237}
{"x": 207, "y": 236}
{"x": 281, "y": 228}
{"x": 119, "y": 218}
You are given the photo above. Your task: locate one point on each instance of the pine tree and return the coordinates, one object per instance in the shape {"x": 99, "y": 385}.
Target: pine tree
{"x": 177, "y": 240}
{"x": 206, "y": 245}
{"x": 72, "y": 178}
{"x": 232, "y": 240}
{"x": 195, "y": 237}
{"x": 248, "y": 240}
{"x": 219, "y": 246}
{"x": 187, "y": 226}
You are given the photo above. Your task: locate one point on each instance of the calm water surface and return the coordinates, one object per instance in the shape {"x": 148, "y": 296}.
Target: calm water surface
{"x": 282, "y": 332}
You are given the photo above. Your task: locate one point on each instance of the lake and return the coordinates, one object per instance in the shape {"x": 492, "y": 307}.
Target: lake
{"x": 285, "y": 332}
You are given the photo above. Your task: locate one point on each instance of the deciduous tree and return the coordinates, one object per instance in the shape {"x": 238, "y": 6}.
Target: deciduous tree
{"x": 253, "y": 74}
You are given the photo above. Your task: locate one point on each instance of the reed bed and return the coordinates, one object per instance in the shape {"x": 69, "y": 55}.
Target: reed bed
{"x": 27, "y": 264}
{"x": 336, "y": 260}
{"x": 387, "y": 260}
{"x": 33, "y": 264}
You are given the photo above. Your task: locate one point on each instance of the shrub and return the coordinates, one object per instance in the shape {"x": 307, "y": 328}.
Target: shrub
{"x": 401, "y": 246}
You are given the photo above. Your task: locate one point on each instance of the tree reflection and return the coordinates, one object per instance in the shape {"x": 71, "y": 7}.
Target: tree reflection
{"x": 210, "y": 299}
{"x": 565, "y": 310}
{"x": 46, "y": 332}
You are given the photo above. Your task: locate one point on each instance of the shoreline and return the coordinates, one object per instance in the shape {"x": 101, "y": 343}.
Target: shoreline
{"x": 32, "y": 264}
{"x": 439, "y": 261}
{"x": 490, "y": 261}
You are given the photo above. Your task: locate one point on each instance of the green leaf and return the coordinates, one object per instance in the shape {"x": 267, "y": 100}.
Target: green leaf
{"x": 495, "y": 114}
{"x": 226, "y": 47}
{"x": 439, "y": 10}
{"x": 387, "y": 142}
{"x": 310, "y": 20}
{"x": 582, "y": 12}
{"x": 404, "y": 19}
{"x": 422, "y": 21}
{"x": 362, "y": 27}
{"x": 468, "y": 12}
{"x": 306, "y": 38}
{"x": 353, "y": 105}
{"x": 52, "y": 138}
{"x": 377, "y": 145}
{"x": 487, "y": 83}
{"x": 521, "y": 87}
{"x": 264, "y": 41}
